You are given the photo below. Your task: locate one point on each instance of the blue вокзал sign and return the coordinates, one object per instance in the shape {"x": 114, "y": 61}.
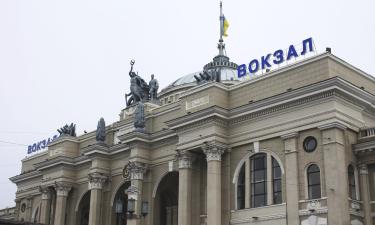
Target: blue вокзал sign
{"x": 40, "y": 145}
{"x": 277, "y": 58}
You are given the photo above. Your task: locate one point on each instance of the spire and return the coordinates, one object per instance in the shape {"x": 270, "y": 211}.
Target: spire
{"x": 221, "y": 45}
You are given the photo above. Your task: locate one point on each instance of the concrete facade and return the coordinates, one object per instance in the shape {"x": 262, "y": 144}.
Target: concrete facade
{"x": 220, "y": 153}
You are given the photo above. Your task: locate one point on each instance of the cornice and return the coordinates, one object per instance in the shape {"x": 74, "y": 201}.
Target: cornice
{"x": 198, "y": 117}
{"x": 367, "y": 146}
{"x": 62, "y": 160}
{"x": 25, "y": 176}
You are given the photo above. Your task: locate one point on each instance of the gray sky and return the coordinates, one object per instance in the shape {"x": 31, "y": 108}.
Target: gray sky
{"x": 68, "y": 61}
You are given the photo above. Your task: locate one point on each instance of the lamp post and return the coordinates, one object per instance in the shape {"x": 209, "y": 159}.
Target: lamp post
{"x": 119, "y": 208}
{"x": 131, "y": 205}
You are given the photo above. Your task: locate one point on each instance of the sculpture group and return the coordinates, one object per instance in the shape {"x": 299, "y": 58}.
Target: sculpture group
{"x": 69, "y": 130}
{"x": 206, "y": 76}
{"x": 140, "y": 91}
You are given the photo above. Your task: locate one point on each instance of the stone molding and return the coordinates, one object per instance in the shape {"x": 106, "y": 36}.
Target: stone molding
{"x": 62, "y": 188}
{"x": 96, "y": 180}
{"x": 333, "y": 125}
{"x": 289, "y": 135}
{"x": 281, "y": 107}
{"x": 185, "y": 160}
{"x": 363, "y": 170}
{"x": 213, "y": 150}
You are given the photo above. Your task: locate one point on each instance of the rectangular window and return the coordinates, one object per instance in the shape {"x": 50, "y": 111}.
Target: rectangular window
{"x": 276, "y": 181}
{"x": 258, "y": 175}
{"x": 241, "y": 189}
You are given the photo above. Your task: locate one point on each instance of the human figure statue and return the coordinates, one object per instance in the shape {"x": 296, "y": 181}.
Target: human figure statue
{"x": 139, "y": 90}
{"x": 100, "y": 131}
{"x": 139, "y": 117}
{"x": 154, "y": 86}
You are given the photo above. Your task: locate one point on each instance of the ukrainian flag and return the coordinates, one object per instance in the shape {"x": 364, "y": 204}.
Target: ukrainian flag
{"x": 225, "y": 26}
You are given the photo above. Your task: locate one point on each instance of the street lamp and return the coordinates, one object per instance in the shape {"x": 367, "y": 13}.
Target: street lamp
{"x": 131, "y": 205}
{"x": 119, "y": 208}
{"x": 144, "y": 209}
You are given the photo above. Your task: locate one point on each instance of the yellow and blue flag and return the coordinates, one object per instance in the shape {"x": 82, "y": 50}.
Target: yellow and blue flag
{"x": 225, "y": 26}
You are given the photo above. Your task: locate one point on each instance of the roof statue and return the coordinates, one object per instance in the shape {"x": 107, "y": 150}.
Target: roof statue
{"x": 205, "y": 76}
{"x": 154, "y": 86}
{"x": 139, "y": 89}
{"x": 139, "y": 117}
{"x": 69, "y": 130}
{"x": 100, "y": 131}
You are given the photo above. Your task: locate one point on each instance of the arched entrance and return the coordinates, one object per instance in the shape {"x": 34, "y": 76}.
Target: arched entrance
{"x": 120, "y": 205}
{"x": 166, "y": 200}
{"x": 84, "y": 210}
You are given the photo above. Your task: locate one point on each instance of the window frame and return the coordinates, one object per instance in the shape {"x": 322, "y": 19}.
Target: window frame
{"x": 310, "y": 186}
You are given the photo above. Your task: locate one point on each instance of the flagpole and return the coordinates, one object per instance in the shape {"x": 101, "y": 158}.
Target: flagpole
{"x": 221, "y": 44}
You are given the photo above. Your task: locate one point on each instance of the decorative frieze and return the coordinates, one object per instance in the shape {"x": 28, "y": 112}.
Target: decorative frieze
{"x": 96, "y": 180}
{"x": 62, "y": 188}
{"x": 134, "y": 171}
{"x": 213, "y": 150}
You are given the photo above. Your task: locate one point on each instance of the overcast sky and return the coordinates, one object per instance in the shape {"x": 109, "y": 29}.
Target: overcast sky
{"x": 68, "y": 61}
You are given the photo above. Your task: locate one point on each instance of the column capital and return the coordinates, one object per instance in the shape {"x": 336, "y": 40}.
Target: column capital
{"x": 46, "y": 192}
{"x": 185, "y": 159}
{"x": 134, "y": 171}
{"x": 213, "y": 150}
{"x": 363, "y": 170}
{"x": 96, "y": 180}
{"x": 62, "y": 188}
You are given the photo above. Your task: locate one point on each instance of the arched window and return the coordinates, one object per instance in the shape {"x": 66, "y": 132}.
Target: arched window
{"x": 351, "y": 178}
{"x": 241, "y": 189}
{"x": 276, "y": 181}
{"x": 313, "y": 180}
{"x": 258, "y": 175}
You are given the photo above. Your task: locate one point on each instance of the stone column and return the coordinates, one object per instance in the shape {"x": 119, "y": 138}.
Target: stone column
{"x": 291, "y": 177}
{"x": 335, "y": 173}
{"x": 213, "y": 153}
{"x": 365, "y": 193}
{"x": 29, "y": 208}
{"x": 136, "y": 171}
{"x": 184, "y": 188}
{"x": 96, "y": 181}
{"x": 18, "y": 206}
{"x": 46, "y": 205}
{"x": 62, "y": 191}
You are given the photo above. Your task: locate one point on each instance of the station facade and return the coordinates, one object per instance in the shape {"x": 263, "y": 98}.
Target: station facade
{"x": 294, "y": 146}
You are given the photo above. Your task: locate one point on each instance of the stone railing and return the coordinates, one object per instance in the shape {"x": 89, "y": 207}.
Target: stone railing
{"x": 367, "y": 132}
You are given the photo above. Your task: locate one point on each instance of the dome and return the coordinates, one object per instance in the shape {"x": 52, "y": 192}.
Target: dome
{"x": 227, "y": 74}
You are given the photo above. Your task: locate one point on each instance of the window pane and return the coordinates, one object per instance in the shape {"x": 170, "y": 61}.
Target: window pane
{"x": 313, "y": 168}
{"x": 277, "y": 186}
{"x": 314, "y": 192}
{"x": 314, "y": 178}
{"x": 277, "y": 198}
{"x": 259, "y": 162}
{"x": 259, "y": 188}
{"x": 241, "y": 189}
{"x": 276, "y": 172}
{"x": 259, "y": 200}
{"x": 259, "y": 175}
